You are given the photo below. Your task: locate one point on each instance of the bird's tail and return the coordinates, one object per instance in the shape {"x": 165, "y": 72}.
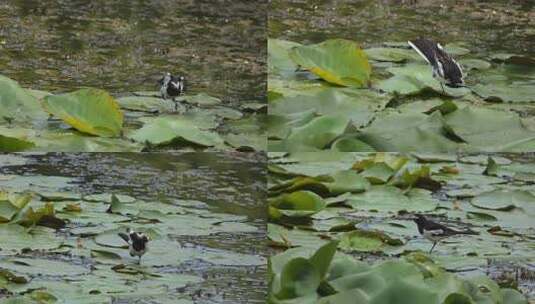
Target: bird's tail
{"x": 125, "y": 237}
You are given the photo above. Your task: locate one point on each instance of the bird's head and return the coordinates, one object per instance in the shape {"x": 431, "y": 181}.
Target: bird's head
{"x": 419, "y": 219}
{"x": 165, "y": 79}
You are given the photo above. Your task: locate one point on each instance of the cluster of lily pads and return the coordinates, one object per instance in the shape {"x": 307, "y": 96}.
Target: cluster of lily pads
{"x": 365, "y": 203}
{"x": 63, "y": 247}
{"x": 326, "y": 276}
{"x": 92, "y": 120}
{"x": 336, "y": 96}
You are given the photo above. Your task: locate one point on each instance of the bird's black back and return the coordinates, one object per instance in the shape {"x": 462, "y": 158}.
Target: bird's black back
{"x": 138, "y": 241}
{"x": 425, "y": 224}
{"x": 441, "y": 61}
{"x": 427, "y": 48}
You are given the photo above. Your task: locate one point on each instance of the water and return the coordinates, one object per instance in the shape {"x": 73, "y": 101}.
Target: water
{"x": 485, "y": 26}
{"x": 125, "y": 46}
{"x": 231, "y": 183}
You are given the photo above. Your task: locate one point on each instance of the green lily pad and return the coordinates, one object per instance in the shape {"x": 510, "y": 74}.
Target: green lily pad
{"x": 474, "y": 64}
{"x": 392, "y": 199}
{"x": 503, "y": 92}
{"x": 203, "y": 99}
{"x": 316, "y": 134}
{"x": 337, "y": 61}
{"x": 359, "y": 106}
{"x": 490, "y": 130}
{"x": 410, "y": 132}
{"x": 297, "y": 204}
{"x": 34, "y": 266}
{"x": 456, "y": 49}
{"x": 145, "y": 104}
{"x": 390, "y": 54}
{"x": 413, "y": 78}
{"x": 164, "y": 129}
{"x": 505, "y": 200}
{"x": 362, "y": 240}
{"x": 18, "y": 106}
{"x": 13, "y": 144}
{"x": 279, "y": 61}
{"x": 90, "y": 111}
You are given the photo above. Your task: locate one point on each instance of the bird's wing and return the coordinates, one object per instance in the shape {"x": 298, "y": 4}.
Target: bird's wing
{"x": 425, "y": 48}
{"x": 125, "y": 237}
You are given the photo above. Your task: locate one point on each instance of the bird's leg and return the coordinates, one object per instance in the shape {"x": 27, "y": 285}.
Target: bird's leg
{"x": 442, "y": 86}
{"x": 139, "y": 261}
{"x": 176, "y": 104}
{"x": 432, "y": 247}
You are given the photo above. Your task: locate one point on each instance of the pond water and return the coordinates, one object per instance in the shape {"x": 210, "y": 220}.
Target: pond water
{"x": 125, "y": 46}
{"x": 229, "y": 184}
{"x": 485, "y": 26}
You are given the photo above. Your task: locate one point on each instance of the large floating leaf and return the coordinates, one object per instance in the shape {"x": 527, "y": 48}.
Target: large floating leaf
{"x": 359, "y": 106}
{"x": 279, "y": 61}
{"x": 316, "y": 134}
{"x": 491, "y": 130}
{"x": 297, "y": 204}
{"x": 391, "y": 54}
{"x": 337, "y": 61}
{"x": 90, "y": 111}
{"x": 165, "y": 129}
{"x": 505, "y": 92}
{"x": 362, "y": 240}
{"x": 17, "y": 105}
{"x": 392, "y": 199}
{"x": 505, "y": 200}
{"x": 42, "y": 267}
{"x": 13, "y": 144}
{"x": 413, "y": 78}
{"x": 392, "y": 131}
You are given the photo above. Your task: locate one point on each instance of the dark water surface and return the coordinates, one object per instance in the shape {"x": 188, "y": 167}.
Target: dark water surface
{"x": 484, "y": 26}
{"x": 124, "y": 46}
{"x": 232, "y": 183}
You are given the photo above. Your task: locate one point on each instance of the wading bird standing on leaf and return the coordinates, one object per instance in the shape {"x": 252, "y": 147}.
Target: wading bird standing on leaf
{"x": 172, "y": 87}
{"x": 445, "y": 69}
{"x": 137, "y": 242}
{"x": 436, "y": 232}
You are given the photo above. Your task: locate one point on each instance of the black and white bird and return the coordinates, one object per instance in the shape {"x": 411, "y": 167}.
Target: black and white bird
{"x": 137, "y": 242}
{"x": 445, "y": 69}
{"x": 436, "y": 232}
{"x": 172, "y": 87}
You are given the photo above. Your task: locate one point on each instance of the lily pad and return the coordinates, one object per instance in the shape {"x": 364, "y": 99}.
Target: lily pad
{"x": 316, "y": 134}
{"x": 503, "y": 92}
{"x": 164, "y": 129}
{"x": 18, "y": 106}
{"x": 390, "y": 54}
{"x": 337, "y": 61}
{"x": 297, "y": 204}
{"x": 279, "y": 61}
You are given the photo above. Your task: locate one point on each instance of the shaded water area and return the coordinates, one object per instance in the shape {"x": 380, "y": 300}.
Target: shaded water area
{"x": 231, "y": 183}
{"x": 484, "y": 26}
{"x": 125, "y": 46}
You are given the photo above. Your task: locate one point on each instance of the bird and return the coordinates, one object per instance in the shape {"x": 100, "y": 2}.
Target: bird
{"x": 445, "y": 69}
{"x": 172, "y": 87}
{"x": 137, "y": 242}
{"x": 436, "y": 232}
